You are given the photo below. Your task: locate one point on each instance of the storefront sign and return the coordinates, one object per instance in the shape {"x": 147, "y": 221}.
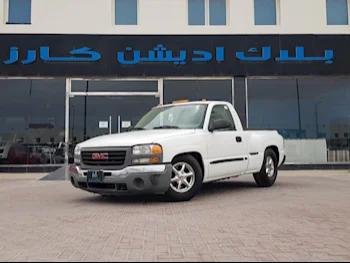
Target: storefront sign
{"x": 161, "y": 54}
{"x": 103, "y": 124}
{"x": 153, "y": 56}
{"x": 126, "y": 124}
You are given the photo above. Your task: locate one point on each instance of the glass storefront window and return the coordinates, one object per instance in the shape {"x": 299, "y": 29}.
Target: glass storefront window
{"x": 272, "y": 104}
{"x": 220, "y": 89}
{"x": 325, "y": 108}
{"x": 312, "y": 114}
{"x": 32, "y": 117}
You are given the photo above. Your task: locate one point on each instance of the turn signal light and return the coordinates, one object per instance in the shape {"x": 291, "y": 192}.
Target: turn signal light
{"x": 155, "y": 160}
{"x": 156, "y": 149}
{"x": 73, "y": 170}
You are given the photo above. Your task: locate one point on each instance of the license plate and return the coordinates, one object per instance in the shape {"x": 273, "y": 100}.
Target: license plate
{"x": 95, "y": 177}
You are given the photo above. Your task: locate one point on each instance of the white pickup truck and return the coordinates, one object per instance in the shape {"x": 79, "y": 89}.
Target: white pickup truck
{"x": 174, "y": 149}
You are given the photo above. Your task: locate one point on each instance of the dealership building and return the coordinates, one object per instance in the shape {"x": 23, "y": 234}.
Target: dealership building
{"x": 75, "y": 69}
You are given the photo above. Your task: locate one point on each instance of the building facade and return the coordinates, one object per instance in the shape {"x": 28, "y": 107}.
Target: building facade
{"x": 75, "y": 69}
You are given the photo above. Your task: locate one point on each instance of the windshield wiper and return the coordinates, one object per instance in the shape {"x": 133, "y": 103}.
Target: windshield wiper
{"x": 137, "y": 129}
{"x": 166, "y": 127}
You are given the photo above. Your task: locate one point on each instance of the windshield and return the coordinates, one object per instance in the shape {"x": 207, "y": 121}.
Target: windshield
{"x": 174, "y": 117}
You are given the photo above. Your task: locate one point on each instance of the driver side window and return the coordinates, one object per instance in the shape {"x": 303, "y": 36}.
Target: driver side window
{"x": 222, "y": 112}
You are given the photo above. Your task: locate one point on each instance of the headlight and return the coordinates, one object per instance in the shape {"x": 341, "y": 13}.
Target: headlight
{"x": 148, "y": 153}
{"x": 77, "y": 152}
{"x": 149, "y": 149}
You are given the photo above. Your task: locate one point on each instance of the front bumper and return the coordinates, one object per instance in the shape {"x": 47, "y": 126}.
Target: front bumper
{"x": 137, "y": 179}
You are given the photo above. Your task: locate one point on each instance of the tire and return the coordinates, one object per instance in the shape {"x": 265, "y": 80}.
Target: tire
{"x": 264, "y": 178}
{"x": 194, "y": 182}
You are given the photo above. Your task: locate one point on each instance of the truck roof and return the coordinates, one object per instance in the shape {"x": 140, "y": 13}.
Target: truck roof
{"x": 185, "y": 102}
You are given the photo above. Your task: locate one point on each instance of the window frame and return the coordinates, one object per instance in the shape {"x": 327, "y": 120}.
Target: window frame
{"x": 278, "y": 14}
{"x": 230, "y": 114}
{"x": 114, "y": 14}
{"x": 207, "y": 14}
{"x": 7, "y": 14}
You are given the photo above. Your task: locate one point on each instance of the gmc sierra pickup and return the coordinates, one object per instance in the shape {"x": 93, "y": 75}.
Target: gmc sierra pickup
{"x": 174, "y": 149}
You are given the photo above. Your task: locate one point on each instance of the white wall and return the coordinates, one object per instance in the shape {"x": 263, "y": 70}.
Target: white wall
{"x": 306, "y": 151}
{"x": 167, "y": 17}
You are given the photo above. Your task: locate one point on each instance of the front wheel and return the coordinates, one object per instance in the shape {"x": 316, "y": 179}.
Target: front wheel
{"x": 186, "y": 180}
{"x": 268, "y": 173}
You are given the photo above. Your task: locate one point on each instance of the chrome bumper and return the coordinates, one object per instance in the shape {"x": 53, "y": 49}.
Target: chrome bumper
{"x": 139, "y": 179}
{"x": 136, "y": 169}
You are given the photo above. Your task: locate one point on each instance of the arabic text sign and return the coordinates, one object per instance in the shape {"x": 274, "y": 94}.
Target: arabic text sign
{"x": 160, "y": 54}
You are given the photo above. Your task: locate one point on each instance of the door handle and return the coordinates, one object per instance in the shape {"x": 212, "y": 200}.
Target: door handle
{"x": 238, "y": 139}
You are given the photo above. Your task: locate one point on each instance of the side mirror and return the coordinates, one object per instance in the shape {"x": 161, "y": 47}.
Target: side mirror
{"x": 220, "y": 124}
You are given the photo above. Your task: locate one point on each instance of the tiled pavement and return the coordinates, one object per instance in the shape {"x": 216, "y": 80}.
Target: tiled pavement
{"x": 301, "y": 218}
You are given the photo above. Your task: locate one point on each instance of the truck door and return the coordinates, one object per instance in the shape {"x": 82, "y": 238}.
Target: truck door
{"x": 227, "y": 149}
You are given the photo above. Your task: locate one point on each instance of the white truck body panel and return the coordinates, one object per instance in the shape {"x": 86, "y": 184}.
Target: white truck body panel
{"x": 136, "y": 138}
{"x": 224, "y": 154}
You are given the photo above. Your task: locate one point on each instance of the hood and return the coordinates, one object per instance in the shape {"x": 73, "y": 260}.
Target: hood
{"x": 133, "y": 138}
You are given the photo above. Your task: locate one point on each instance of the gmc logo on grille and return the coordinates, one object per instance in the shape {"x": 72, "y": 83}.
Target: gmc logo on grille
{"x": 100, "y": 156}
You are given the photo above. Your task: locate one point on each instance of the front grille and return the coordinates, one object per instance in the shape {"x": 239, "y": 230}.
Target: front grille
{"x": 115, "y": 158}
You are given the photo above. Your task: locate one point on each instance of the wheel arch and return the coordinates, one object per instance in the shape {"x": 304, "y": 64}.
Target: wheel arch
{"x": 276, "y": 151}
{"x": 196, "y": 155}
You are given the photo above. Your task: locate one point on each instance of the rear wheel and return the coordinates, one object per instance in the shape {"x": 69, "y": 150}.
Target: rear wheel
{"x": 268, "y": 173}
{"x": 186, "y": 180}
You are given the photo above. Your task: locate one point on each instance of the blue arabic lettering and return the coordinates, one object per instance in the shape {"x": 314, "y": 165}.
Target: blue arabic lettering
{"x": 13, "y": 56}
{"x": 164, "y": 55}
{"x": 161, "y": 50}
{"x": 94, "y": 56}
{"x": 220, "y": 54}
{"x": 300, "y": 56}
{"x": 181, "y": 60}
{"x": 266, "y": 54}
{"x": 137, "y": 57}
{"x": 30, "y": 58}
{"x": 206, "y": 55}
{"x": 158, "y": 54}
{"x": 152, "y": 54}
